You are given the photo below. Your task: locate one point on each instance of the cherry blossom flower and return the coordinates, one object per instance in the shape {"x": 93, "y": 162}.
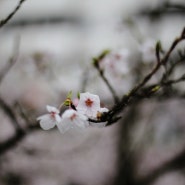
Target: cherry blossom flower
{"x": 48, "y": 121}
{"x": 72, "y": 119}
{"x": 77, "y": 116}
{"x": 117, "y": 62}
{"x": 147, "y": 50}
{"x": 89, "y": 104}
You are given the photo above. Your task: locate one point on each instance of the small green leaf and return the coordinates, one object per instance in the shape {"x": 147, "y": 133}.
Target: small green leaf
{"x": 67, "y": 102}
{"x": 78, "y": 95}
{"x": 95, "y": 62}
{"x": 155, "y": 89}
{"x": 69, "y": 95}
{"x": 103, "y": 54}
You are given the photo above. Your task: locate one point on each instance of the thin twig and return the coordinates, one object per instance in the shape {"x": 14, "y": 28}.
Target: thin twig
{"x": 113, "y": 92}
{"x": 10, "y": 113}
{"x": 4, "y": 21}
{"x": 20, "y": 133}
{"x": 22, "y": 113}
{"x": 12, "y": 60}
{"x": 96, "y": 62}
{"x": 174, "y": 81}
{"x": 164, "y": 8}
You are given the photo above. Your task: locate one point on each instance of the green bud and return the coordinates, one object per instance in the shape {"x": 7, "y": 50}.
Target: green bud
{"x": 155, "y": 89}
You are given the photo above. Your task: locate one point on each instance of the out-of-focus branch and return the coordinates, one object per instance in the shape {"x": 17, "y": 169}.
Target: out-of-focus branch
{"x": 20, "y": 133}
{"x": 84, "y": 80}
{"x": 12, "y": 60}
{"x": 126, "y": 161}
{"x": 16, "y": 138}
{"x": 10, "y": 113}
{"x": 4, "y": 106}
{"x": 174, "y": 81}
{"x": 55, "y": 20}
{"x": 164, "y": 8}
{"x": 96, "y": 62}
{"x": 5, "y": 21}
{"x": 11, "y": 142}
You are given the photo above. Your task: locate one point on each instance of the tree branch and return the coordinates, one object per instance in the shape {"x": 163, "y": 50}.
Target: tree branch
{"x": 5, "y": 21}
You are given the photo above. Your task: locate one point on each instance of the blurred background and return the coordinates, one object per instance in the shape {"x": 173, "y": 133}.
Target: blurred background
{"x": 46, "y": 50}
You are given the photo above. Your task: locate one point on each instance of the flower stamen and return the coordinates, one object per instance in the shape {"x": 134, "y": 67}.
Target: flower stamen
{"x": 73, "y": 117}
{"x": 53, "y": 114}
{"x": 88, "y": 102}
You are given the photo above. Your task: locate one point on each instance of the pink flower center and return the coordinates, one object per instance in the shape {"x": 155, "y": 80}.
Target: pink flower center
{"x": 73, "y": 117}
{"x": 88, "y": 102}
{"x": 53, "y": 115}
{"x": 117, "y": 56}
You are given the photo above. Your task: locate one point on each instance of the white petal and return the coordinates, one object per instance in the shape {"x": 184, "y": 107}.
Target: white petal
{"x": 64, "y": 125}
{"x": 79, "y": 121}
{"x": 82, "y": 124}
{"x": 104, "y": 109}
{"x": 92, "y": 113}
{"x": 68, "y": 113}
{"x": 46, "y": 122}
{"x": 57, "y": 118}
{"x": 82, "y": 117}
{"x": 52, "y": 109}
{"x": 99, "y": 125}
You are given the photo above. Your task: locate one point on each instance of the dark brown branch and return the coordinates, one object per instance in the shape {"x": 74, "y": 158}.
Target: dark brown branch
{"x": 20, "y": 133}
{"x": 165, "y": 8}
{"x": 11, "y": 142}
{"x": 52, "y": 21}
{"x": 5, "y": 21}
{"x": 96, "y": 62}
{"x": 10, "y": 113}
{"x": 174, "y": 81}
{"x": 16, "y": 138}
{"x": 126, "y": 158}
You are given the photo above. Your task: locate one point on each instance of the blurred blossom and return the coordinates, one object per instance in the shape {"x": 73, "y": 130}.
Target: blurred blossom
{"x": 117, "y": 67}
{"x": 117, "y": 62}
{"x": 147, "y": 49}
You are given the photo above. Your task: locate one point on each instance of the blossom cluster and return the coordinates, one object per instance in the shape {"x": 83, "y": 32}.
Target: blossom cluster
{"x": 116, "y": 62}
{"x": 77, "y": 116}
{"x": 147, "y": 49}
